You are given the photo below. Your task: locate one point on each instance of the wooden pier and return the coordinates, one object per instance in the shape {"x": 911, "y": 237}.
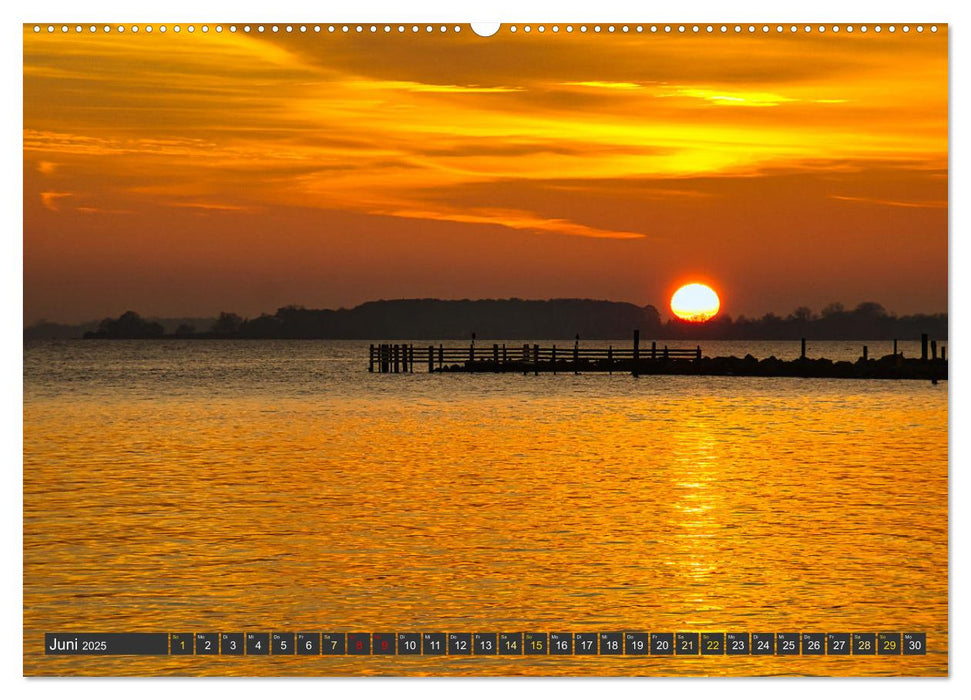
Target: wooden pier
{"x": 403, "y": 358}
{"x": 635, "y": 359}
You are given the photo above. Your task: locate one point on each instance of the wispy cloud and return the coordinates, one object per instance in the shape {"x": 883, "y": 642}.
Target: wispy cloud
{"x": 604, "y": 85}
{"x": 209, "y": 206}
{"x": 892, "y": 202}
{"x": 100, "y": 210}
{"x": 727, "y": 97}
{"x": 50, "y": 199}
{"x": 513, "y": 219}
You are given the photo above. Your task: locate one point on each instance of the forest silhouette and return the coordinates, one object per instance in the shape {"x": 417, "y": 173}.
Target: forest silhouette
{"x": 516, "y": 319}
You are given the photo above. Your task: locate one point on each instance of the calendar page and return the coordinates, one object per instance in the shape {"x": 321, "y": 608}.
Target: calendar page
{"x": 527, "y": 349}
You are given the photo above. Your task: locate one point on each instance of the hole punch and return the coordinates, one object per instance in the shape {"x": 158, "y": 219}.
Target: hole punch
{"x": 485, "y": 29}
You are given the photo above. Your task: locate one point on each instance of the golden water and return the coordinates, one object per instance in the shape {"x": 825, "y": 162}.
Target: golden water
{"x": 277, "y": 486}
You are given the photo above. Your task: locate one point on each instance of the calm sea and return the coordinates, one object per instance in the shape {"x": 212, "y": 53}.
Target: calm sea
{"x": 278, "y": 486}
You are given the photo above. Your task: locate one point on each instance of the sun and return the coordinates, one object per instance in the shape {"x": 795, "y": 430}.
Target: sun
{"x": 695, "y": 302}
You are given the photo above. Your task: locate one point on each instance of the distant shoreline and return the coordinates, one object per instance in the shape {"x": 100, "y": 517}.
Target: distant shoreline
{"x": 509, "y": 319}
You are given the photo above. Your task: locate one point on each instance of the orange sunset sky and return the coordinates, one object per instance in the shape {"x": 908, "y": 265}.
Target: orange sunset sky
{"x": 182, "y": 175}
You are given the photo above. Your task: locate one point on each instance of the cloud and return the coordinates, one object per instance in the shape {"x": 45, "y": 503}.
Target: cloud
{"x": 371, "y": 125}
{"x": 208, "y": 206}
{"x": 892, "y": 203}
{"x": 605, "y": 85}
{"x": 99, "y": 210}
{"x": 728, "y": 97}
{"x": 513, "y": 219}
{"x": 50, "y": 199}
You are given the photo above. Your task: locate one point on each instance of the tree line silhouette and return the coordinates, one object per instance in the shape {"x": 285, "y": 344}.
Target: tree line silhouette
{"x": 521, "y": 319}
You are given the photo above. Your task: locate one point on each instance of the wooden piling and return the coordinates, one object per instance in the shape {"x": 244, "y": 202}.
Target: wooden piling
{"x": 637, "y": 351}
{"x": 576, "y": 355}
{"x": 495, "y": 357}
{"x": 431, "y": 359}
{"x": 864, "y": 353}
{"x": 370, "y": 358}
{"x": 698, "y": 353}
{"x": 802, "y": 353}
{"x": 554, "y": 359}
{"x": 610, "y": 359}
{"x": 653, "y": 349}
{"x": 923, "y": 346}
{"x": 933, "y": 349}
{"x": 441, "y": 356}
{"x": 536, "y": 360}
{"x": 943, "y": 353}
{"x": 894, "y": 347}
{"x": 394, "y": 358}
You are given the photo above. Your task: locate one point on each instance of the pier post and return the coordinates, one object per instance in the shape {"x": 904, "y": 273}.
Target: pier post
{"x": 943, "y": 353}
{"x": 554, "y": 359}
{"x": 394, "y": 358}
{"x": 864, "y": 353}
{"x": 370, "y": 358}
{"x": 802, "y": 353}
{"x": 431, "y": 359}
{"x": 535, "y": 360}
{"x": 698, "y": 354}
{"x": 384, "y": 358}
{"x": 576, "y": 355}
{"x": 933, "y": 349}
{"x": 637, "y": 351}
{"x": 441, "y": 357}
{"x": 495, "y": 356}
{"x": 923, "y": 346}
{"x": 610, "y": 359}
{"x": 653, "y": 349}
{"x": 503, "y": 353}
{"x": 894, "y": 347}
{"x": 665, "y": 352}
